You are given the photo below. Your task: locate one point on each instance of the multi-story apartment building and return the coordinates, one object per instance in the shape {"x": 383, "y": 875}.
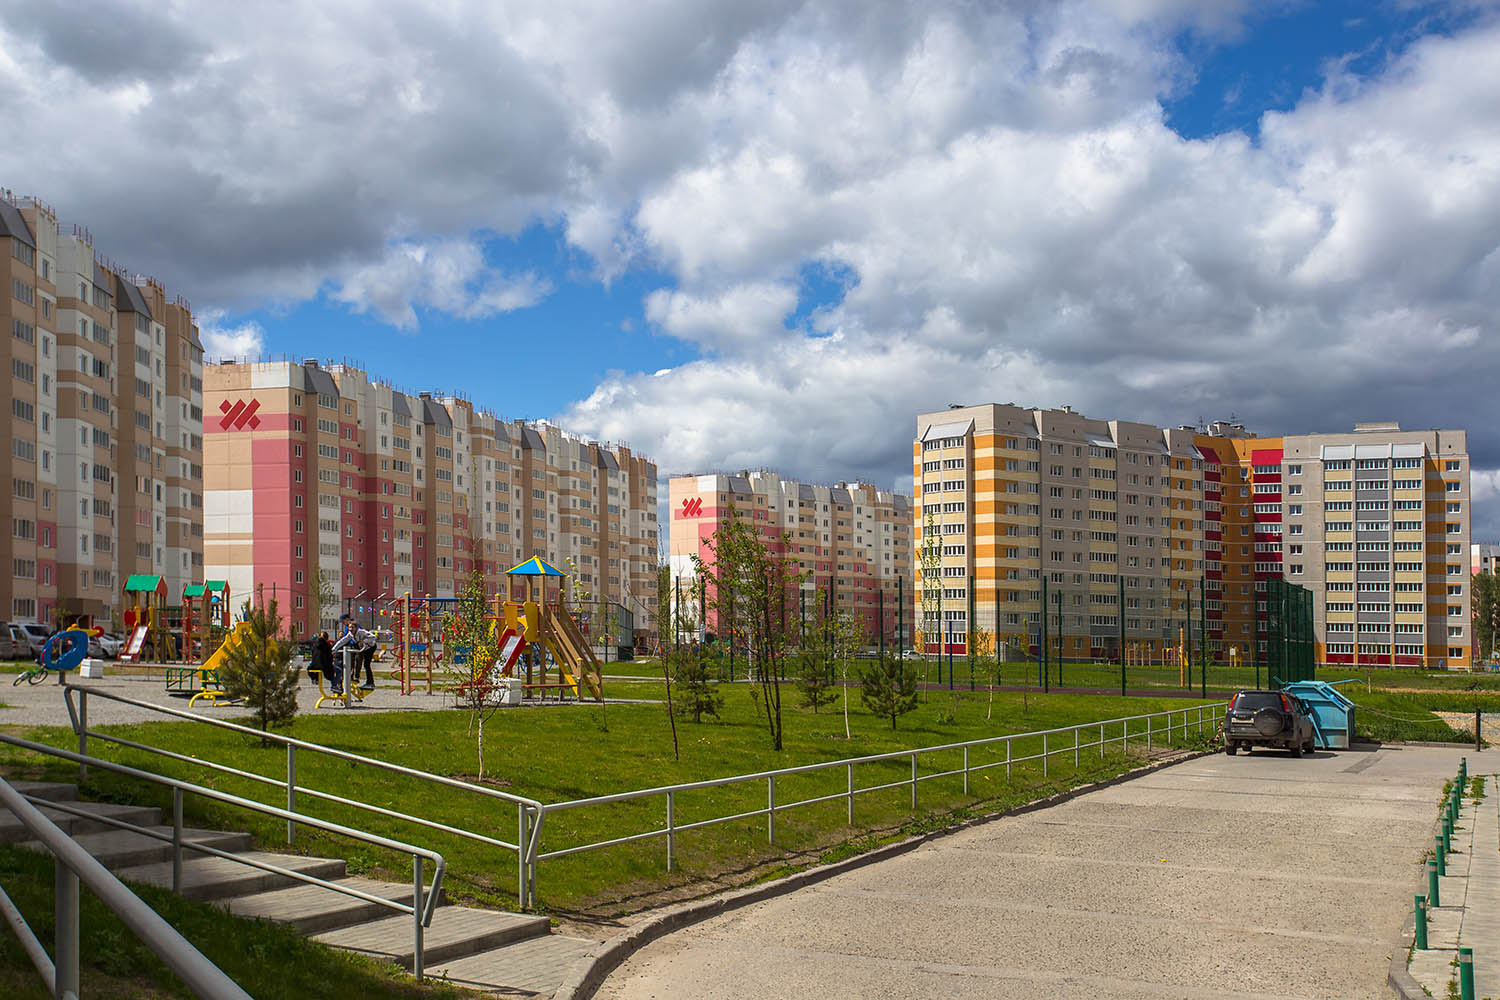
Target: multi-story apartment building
{"x": 106, "y": 413}
{"x": 1484, "y": 558}
{"x": 323, "y": 471}
{"x": 851, "y": 541}
{"x": 1188, "y": 526}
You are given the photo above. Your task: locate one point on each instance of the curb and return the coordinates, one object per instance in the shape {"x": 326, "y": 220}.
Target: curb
{"x": 588, "y": 974}
{"x": 1402, "y": 983}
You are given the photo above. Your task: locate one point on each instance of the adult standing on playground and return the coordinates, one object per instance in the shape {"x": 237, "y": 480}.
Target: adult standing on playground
{"x": 348, "y": 639}
{"x": 364, "y": 643}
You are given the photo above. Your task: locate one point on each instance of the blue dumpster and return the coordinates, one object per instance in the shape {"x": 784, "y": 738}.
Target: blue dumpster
{"x": 1332, "y": 713}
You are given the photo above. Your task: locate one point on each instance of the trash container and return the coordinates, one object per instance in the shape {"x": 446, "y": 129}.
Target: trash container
{"x": 1332, "y": 713}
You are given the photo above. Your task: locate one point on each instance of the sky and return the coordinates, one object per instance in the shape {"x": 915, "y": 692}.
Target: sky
{"x": 768, "y": 234}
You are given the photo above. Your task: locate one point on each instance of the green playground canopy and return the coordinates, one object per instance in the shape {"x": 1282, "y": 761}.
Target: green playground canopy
{"x": 192, "y": 590}
{"x": 141, "y": 583}
{"x": 535, "y": 566}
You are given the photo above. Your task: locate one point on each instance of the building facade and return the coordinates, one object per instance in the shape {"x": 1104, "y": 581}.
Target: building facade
{"x": 1178, "y": 530}
{"x": 1484, "y": 559}
{"x": 325, "y": 473}
{"x": 105, "y": 458}
{"x": 851, "y": 541}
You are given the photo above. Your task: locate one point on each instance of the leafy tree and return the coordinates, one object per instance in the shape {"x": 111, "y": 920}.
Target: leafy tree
{"x": 1486, "y": 595}
{"x": 469, "y": 656}
{"x": 889, "y": 688}
{"x": 697, "y": 695}
{"x": 752, "y": 585}
{"x": 258, "y": 667}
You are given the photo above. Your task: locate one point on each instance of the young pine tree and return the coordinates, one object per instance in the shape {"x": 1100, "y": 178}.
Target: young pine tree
{"x": 889, "y": 688}
{"x": 258, "y": 667}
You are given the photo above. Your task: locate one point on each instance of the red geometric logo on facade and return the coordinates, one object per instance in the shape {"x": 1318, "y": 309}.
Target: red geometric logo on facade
{"x": 692, "y": 507}
{"x": 240, "y": 415}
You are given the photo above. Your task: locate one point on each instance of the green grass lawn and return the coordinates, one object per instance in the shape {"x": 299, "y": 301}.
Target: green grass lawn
{"x": 267, "y": 960}
{"x": 572, "y": 751}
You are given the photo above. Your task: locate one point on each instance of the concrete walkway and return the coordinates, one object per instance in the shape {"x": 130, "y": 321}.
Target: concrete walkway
{"x": 1254, "y": 876}
{"x": 1470, "y": 897}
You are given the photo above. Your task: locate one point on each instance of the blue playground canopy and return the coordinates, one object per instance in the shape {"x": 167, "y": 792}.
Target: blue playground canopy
{"x": 535, "y": 566}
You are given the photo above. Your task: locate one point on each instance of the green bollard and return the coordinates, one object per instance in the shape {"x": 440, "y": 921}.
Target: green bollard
{"x": 1447, "y": 836}
{"x": 1433, "y": 899}
{"x": 1421, "y": 908}
{"x": 1439, "y": 855}
{"x": 1466, "y": 973}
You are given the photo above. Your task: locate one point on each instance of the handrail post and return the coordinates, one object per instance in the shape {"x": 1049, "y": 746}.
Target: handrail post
{"x": 914, "y": 781}
{"x": 522, "y": 861}
{"x": 1076, "y": 736}
{"x": 1148, "y": 734}
{"x": 966, "y": 769}
{"x": 416, "y": 913}
{"x": 1007, "y": 761}
{"x": 291, "y": 791}
{"x": 176, "y": 839}
{"x": 850, "y": 769}
{"x": 771, "y": 808}
{"x": 1045, "y": 752}
{"x": 1124, "y": 735}
{"x": 1101, "y": 741}
{"x": 65, "y": 938}
{"x": 671, "y": 804}
{"x": 83, "y": 732}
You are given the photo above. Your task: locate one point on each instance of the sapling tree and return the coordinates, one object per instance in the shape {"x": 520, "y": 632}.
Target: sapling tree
{"x": 257, "y": 667}
{"x": 469, "y": 656}
{"x": 845, "y": 636}
{"x": 814, "y": 654}
{"x": 753, "y": 580}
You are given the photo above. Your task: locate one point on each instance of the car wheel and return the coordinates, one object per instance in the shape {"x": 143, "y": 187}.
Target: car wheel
{"x": 1230, "y": 749}
{"x": 1297, "y": 750}
{"x": 1309, "y": 746}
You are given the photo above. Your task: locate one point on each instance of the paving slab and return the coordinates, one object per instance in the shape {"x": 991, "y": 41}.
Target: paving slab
{"x": 210, "y": 878}
{"x": 1198, "y": 881}
{"x": 532, "y": 967}
{"x": 456, "y": 932}
{"x": 13, "y": 830}
{"x": 313, "y": 909}
{"x": 123, "y": 849}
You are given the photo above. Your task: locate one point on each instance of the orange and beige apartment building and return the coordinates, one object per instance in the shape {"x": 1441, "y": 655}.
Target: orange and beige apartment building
{"x": 322, "y": 470}
{"x": 1191, "y": 524}
{"x": 850, "y": 541}
{"x": 105, "y": 400}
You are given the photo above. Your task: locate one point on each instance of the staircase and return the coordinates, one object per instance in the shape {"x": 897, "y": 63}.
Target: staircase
{"x": 482, "y": 949}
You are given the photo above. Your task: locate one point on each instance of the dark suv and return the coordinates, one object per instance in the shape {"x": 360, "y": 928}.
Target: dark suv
{"x": 1267, "y": 719}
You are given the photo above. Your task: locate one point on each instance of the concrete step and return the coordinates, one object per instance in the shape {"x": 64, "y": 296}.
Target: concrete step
{"x": 456, "y": 932}
{"x": 12, "y": 831}
{"x": 122, "y": 849}
{"x": 313, "y": 909}
{"x": 209, "y": 878}
{"x": 57, "y": 791}
{"x": 537, "y": 965}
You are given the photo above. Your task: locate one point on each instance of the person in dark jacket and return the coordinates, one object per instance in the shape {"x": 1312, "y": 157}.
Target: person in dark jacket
{"x": 322, "y": 660}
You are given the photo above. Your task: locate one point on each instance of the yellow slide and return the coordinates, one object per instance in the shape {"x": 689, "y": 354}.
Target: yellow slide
{"x": 240, "y": 633}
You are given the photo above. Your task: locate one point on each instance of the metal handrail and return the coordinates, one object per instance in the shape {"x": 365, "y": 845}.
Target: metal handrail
{"x": 669, "y": 792}
{"x": 528, "y": 823}
{"x": 75, "y": 865}
{"x": 424, "y": 900}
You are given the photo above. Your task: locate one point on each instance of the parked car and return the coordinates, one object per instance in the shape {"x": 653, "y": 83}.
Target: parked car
{"x": 11, "y": 648}
{"x": 1267, "y": 719}
{"x": 112, "y": 643}
{"x": 33, "y": 636}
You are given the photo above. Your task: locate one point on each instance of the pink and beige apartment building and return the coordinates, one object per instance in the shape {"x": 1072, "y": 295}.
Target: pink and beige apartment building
{"x": 323, "y": 472}
{"x": 1188, "y": 525}
{"x": 851, "y": 541}
{"x": 105, "y": 401}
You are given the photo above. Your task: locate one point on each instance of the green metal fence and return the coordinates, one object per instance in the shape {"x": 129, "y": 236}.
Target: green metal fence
{"x": 1290, "y": 649}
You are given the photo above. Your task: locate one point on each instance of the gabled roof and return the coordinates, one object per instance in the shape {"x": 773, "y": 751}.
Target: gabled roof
{"x": 607, "y": 461}
{"x": 13, "y": 224}
{"x": 319, "y": 381}
{"x": 128, "y": 298}
{"x": 435, "y": 413}
{"x": 399, "y": 405}
{"x": 953, "y": 430}
{"x": 531, "y": 440}
{"x": 102, "y": 278}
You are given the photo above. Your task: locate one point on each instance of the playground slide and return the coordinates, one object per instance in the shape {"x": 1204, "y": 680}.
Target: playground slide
{"x": 512, "y": 643}
{"x": 240, "y": 633}
{"x": 572, "y": 651}
{"x": 133, "y": 644}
